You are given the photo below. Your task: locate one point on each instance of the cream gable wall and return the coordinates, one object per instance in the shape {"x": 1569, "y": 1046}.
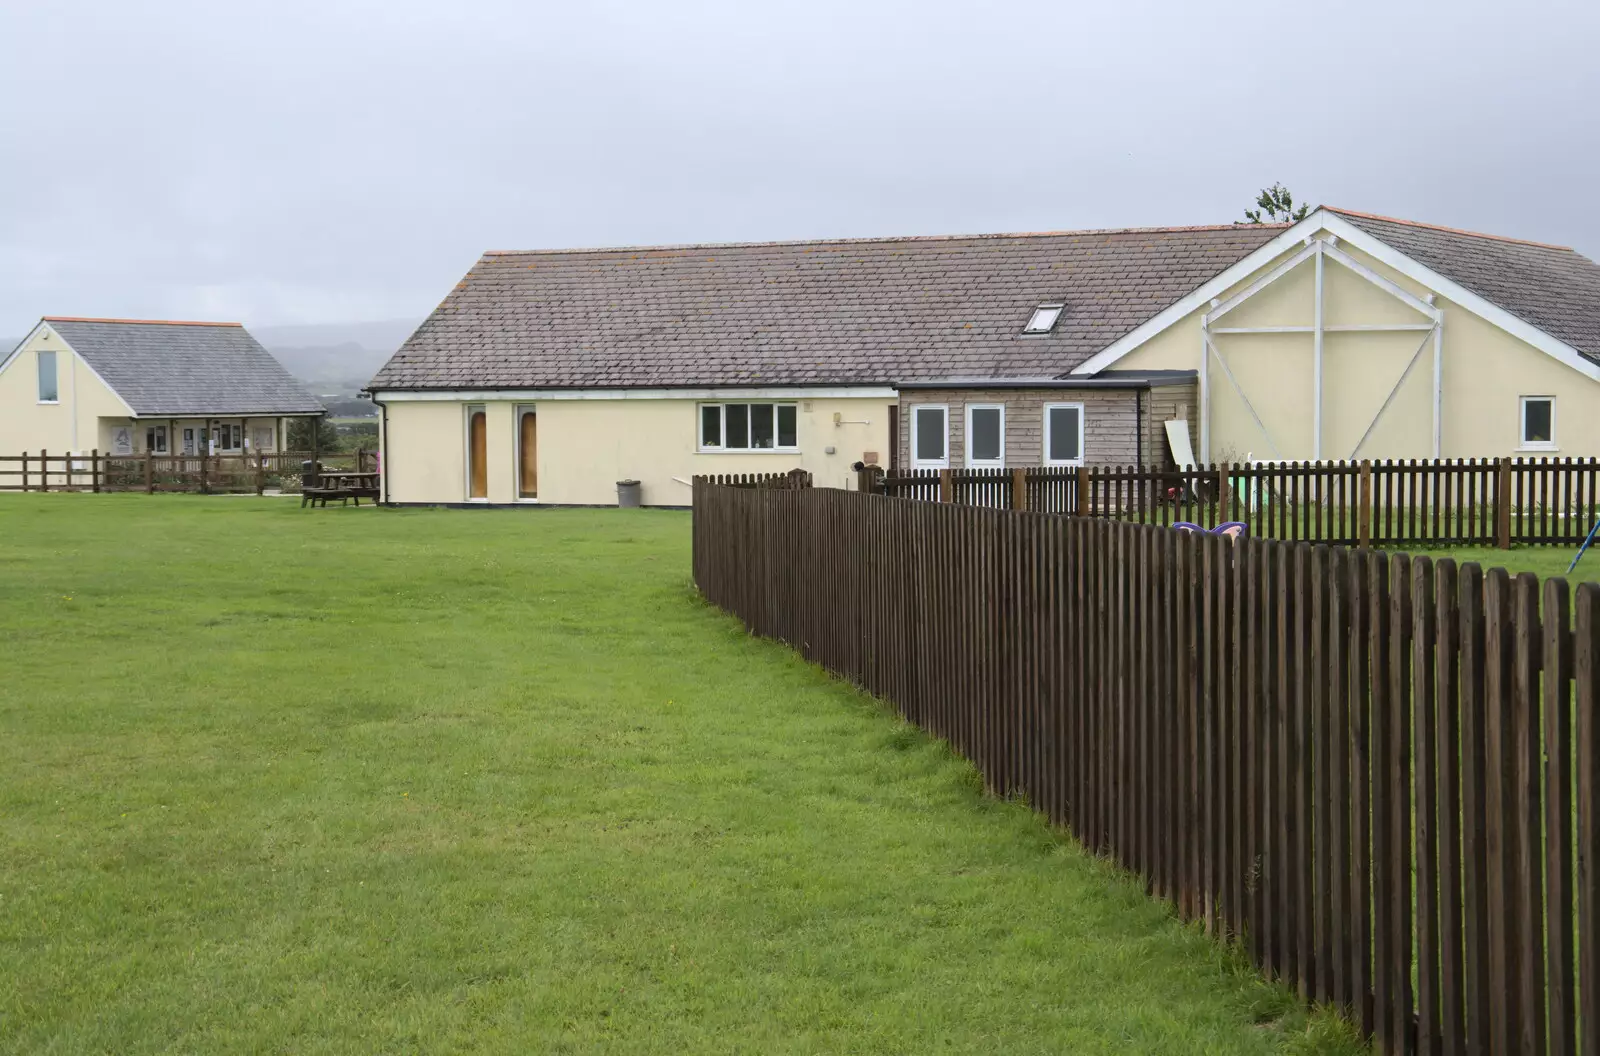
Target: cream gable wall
{"x": 73, "y": 424}
{"x": 1485, "y": 370}
{"x": 586, "y": 445}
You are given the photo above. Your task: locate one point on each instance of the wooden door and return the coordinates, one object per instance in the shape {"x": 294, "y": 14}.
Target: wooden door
{"x": 528, "y": 456}
{"x": 478, "y": 475}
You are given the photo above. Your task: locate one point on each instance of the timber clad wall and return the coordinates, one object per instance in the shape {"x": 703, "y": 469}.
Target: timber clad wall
{"x": 1379, "y": 775}
{"x": 1109, "y": 415}
{"x": 1169, "y": 401}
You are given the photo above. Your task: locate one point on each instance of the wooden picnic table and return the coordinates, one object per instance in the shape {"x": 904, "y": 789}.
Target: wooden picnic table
{"x": 342, "y": 484}
{"x": 350, "y": 478}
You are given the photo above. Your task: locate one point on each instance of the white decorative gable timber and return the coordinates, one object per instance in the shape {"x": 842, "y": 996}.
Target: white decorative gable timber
{"x": 1319, "y": 237}
{"x": 1320, "y": 250}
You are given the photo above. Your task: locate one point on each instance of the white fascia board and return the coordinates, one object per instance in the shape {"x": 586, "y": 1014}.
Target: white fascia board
{"x": 1523, "y": 331}
{"x": 824, "y": 392}
{"x": 1199, "y": 298}
{"x": 43, "y": 325}
{"x": 163, "y": 416}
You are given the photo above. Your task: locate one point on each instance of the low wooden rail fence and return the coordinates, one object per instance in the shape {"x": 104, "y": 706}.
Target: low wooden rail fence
{"x": 1378, "y": 774}
{"x": 1470, "y": 502}
{"x": 206, "y": 474}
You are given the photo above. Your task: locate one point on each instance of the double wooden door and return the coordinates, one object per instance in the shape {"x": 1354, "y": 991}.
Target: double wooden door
{"x": 478, "y": 453}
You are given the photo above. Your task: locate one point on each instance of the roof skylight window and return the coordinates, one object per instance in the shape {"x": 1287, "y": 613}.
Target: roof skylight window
{"x": 1044, "y": 319}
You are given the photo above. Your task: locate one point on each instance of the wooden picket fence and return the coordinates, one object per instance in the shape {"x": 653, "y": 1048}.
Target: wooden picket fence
{"x": 205, "y": 474}
{"x": 1464, "y": 502}
{"x": 1377, "y": 774}
{"x": 795, "y": 478}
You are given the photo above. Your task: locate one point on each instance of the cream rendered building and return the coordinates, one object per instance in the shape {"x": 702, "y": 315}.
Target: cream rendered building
{"x": 571, "y": 448}
{"x": 546, "y": 377}
{"x": 130, "y": 386}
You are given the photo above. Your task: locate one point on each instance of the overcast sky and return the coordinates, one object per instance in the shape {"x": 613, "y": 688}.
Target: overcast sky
{"x": 284, "y": 162}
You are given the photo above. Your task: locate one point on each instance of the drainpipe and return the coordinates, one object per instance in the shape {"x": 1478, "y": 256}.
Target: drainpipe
{"x": 1138, "y": 426}
{"x": 72, "y": 380}
{"x": 383, "y": 447}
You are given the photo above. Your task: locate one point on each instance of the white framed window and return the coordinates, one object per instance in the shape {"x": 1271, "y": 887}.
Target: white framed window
{"x": 986, "y": 435}
{"x": 1043, "y": 319}
{"x": 188, "y": 442}
{"x": 1063, "y": 434}
{"x": 745, "y": 427}
{"x": 49, "y": 387}
{"x": 1536, "y": 430}
{"x": 230, "y": 438}
{"x": 155, "y": 439}
{"x": 930, "y": 436}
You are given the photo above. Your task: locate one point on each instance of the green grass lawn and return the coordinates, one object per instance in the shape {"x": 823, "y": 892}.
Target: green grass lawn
{"x": 275, "y": 780}
{"x": 1547, "y": 562}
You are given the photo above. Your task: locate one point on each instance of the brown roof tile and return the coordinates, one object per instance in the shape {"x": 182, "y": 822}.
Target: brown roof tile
{"x": 856, "y": 311}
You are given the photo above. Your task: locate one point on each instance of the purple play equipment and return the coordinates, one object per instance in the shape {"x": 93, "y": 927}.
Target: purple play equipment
{"x": 1231, "y": 529}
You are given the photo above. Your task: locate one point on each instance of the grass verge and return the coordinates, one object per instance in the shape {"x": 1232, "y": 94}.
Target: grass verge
{"x": 450, "y": 781}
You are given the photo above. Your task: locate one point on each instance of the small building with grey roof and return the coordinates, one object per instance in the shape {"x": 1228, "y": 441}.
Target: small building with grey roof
{"x": 546, "y": 376}
{"x": 131, "y": 386}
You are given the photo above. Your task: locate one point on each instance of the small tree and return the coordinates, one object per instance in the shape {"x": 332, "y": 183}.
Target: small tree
{"x": 1275, "y": 205}
{"x": 307, "y": 434}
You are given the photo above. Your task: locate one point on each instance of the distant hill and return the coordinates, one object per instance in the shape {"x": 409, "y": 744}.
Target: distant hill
{"x": 335, "y": 357}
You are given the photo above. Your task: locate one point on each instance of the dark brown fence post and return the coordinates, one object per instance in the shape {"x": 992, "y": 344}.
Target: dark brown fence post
{"x": 1586, "y": 668}
{"x": 149, "y": 473}
{"x": 24, "y": 472}
{"x": 1224, "y": 492}
{"x": 261, "y": 473}
{"x": 44, "y": 470}
{"x": 945, "y": 490}
{"x": 204, "y": 487}
{"x": 1502, "y": 503}
{"x": 1556, "y": 840}
{"x": 1019, "y": 489}
{"x": 94, "y": 470}
{"x": 1364, "y": 505}
{"x": 1083, "y": 492}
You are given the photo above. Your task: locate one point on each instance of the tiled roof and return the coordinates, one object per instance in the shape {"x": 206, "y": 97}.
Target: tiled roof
{"x": 185, "y": 369}
{"x": 859, "y": 311}
{"x": 1553, "y": 288}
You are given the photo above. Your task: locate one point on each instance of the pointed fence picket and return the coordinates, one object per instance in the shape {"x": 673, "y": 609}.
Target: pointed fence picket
{"x": 1438, "y": 503}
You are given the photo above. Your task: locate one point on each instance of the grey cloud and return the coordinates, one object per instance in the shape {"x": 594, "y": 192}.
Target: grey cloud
{"x": 289, "y": 163}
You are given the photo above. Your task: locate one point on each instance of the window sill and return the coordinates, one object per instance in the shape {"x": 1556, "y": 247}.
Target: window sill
{"x": 49, "y": 403}
{"x": 986, "y": 465}
{"x": 930, "y": 465}
{"x": 747, "y": 451}
{"x": 1064, "y": 465}
{"x": 1546, "y": 449}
